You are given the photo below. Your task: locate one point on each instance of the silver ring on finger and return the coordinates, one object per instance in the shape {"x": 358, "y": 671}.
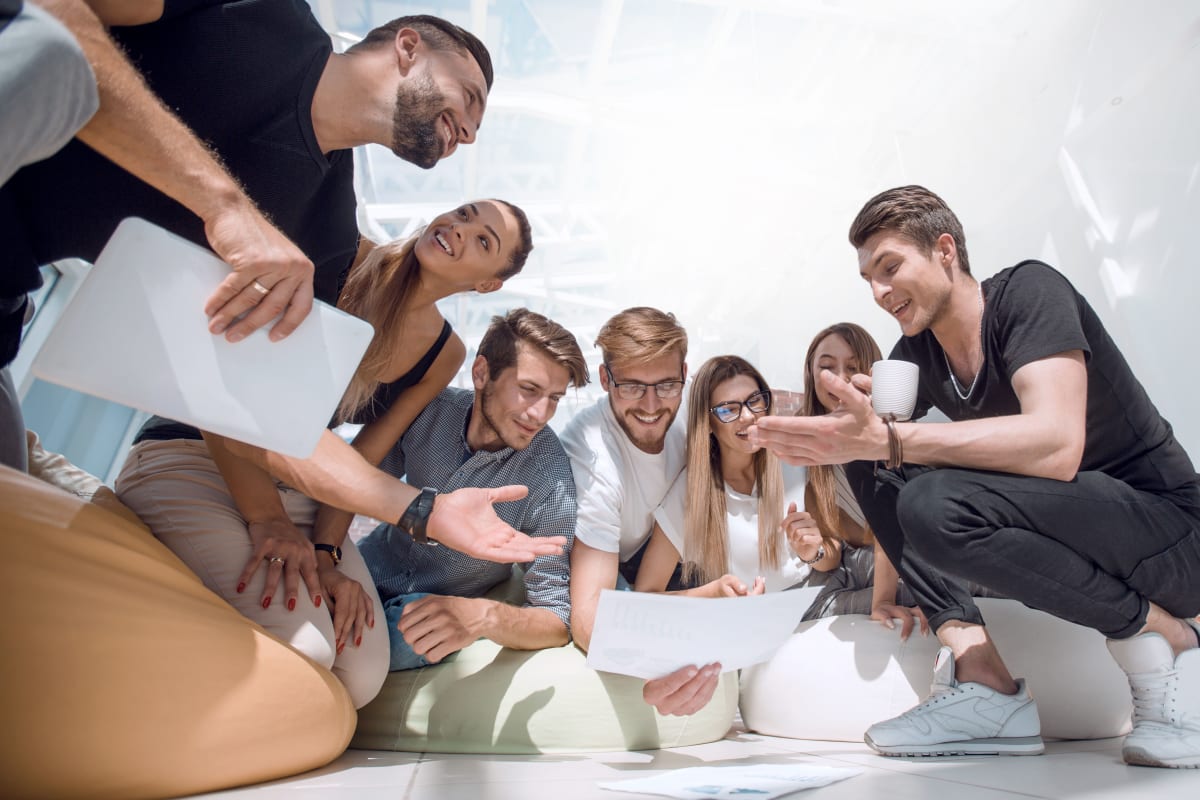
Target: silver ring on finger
{"x": 258, "y": 287}
{"x": 276, "y": 560}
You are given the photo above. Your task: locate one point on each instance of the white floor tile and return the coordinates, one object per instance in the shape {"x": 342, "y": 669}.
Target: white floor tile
{"x": 1068, "y": 771}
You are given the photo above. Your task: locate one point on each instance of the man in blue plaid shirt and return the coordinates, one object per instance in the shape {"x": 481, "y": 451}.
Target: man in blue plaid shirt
{"x": 493, "y": 436}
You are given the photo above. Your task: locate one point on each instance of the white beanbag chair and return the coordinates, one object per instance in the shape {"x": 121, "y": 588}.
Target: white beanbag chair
{"x": 837, "y": 676}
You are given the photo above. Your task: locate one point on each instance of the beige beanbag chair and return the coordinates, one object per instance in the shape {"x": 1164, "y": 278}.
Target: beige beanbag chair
{"x": 837, "y": 676}
{"x": 124, "y": 677}
{"x": 489, "y": 699}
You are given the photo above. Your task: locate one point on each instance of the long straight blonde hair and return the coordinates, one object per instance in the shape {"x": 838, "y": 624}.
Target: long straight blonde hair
{"x": 822, "y": 478}
{"x": 706, "y": 537}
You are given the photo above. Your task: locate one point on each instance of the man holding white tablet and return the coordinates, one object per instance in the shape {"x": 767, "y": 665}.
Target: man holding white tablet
{"x": 1057, "y": 483}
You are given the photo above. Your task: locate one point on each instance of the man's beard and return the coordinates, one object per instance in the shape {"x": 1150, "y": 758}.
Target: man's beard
{"x": 641, "y": 441}
{"x": 415, "y": 125}
{"x": 485, "y": 411}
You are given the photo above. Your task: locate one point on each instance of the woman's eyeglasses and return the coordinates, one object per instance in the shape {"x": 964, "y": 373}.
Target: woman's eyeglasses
{"x": 758, "y": 403}
{"x": 636, "y": 391}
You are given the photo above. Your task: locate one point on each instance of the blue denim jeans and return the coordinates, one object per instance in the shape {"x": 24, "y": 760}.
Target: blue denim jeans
{"x": 403, "y": 656}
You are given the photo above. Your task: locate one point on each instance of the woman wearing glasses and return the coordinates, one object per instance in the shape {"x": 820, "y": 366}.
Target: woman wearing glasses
{"x": 725, "y": 514}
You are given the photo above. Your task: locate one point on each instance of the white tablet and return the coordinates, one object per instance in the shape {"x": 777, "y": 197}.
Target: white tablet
{"x": 135, "y": 333}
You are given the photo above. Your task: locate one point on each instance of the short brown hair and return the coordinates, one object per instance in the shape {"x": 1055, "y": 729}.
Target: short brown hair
{"x": 641, "y": 334}
{"x": 499, "y": 344}
{"x": 913, "y": 212}
{"x": 438, "y": 34}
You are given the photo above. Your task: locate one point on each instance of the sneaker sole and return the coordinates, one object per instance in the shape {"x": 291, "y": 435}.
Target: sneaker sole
{"x": 1137, "y": 757}
{"x": 1015, "y": 746}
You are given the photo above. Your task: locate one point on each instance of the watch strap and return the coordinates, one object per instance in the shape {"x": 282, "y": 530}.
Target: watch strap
{"x": 334, "y": 551}
{"x": 415, "y": 519}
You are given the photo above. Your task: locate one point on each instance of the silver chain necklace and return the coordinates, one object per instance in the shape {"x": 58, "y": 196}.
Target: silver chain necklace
{"x": 958, "y": 390}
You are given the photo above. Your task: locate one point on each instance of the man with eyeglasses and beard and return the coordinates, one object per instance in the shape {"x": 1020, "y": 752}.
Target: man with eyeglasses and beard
{"x": 625, "y": 454}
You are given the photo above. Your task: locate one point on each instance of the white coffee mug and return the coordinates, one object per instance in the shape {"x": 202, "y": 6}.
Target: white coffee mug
{"x": 894, "y": 388}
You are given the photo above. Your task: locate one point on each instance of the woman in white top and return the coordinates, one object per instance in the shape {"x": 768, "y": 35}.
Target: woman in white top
{"x": 725, "y": 513}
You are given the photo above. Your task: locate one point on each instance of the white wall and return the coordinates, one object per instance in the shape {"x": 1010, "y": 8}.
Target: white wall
{"x": 1067, "y": 131}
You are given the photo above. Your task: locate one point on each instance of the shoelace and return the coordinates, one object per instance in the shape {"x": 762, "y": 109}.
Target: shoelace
{"x": 1150, "y": 694}
{"x": 936, "y": 693}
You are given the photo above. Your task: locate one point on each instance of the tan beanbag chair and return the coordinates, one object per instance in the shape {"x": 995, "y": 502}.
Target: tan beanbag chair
{"x": 124, "y": 677}
{"x": 836, "y": 677}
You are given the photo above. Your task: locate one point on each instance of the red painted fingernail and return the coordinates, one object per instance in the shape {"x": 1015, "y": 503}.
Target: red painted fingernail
{"x": 291, "y": 604}
{"x": 241, "y": 587}
{"x": 266, "y": 602}
{"x": 341, "y": 646}
{"x": 358, "y": 641}
{"x": 317, "y": 602}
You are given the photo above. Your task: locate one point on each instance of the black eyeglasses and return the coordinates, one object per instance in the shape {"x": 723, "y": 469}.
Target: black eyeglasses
{"x": 636, "y": 391}
{"x": 758, "y": 403}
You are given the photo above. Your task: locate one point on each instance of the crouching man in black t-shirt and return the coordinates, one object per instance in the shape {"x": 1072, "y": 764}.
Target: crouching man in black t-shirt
{"x": 1057, "y": 484}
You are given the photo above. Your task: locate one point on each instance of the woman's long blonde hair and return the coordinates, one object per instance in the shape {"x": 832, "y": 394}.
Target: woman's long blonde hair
{"x": 821, "y": 478}
{"x": 706, "y": 538}
{"x": 380, "y": 289}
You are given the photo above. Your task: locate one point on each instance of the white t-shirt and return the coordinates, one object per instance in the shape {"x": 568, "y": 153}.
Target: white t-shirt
{"x": 741, "y": 517}
{"x": 617, "y": 485}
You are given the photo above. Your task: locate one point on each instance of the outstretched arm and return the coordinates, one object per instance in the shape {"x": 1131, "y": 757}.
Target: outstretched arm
{"x": 464, "y": 519}
{"x": 1044, "y": 440}
{"x": 137, "y": 132}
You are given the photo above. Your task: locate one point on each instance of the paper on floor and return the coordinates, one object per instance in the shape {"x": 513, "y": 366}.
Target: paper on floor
{"x": 761, "y": 781}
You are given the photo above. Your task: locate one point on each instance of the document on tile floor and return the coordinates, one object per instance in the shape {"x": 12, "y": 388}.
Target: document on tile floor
{"x": 761, "y": 781}
{"x": 650, "y": 635}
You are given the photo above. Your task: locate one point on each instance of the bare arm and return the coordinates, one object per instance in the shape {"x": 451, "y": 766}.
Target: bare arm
{"x": 883, "y": 599}
{"x": 438, "y": 625}
{"x": 658, "y": 563}
{"x": 379, "y": 436}
{"x": 137, "y": 132}
{"x": 1045, "y": 439}
{"x": 464, "y": 519}
{"x": 591, "y": 571}
{"x": 279, "y": 546}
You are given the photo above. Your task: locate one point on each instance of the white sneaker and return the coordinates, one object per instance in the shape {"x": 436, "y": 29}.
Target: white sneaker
{"x": 961, "y": 719}
{"x": 1166, "y": 702}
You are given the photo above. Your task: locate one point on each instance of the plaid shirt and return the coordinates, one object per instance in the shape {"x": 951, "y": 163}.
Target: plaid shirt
{"x": 434, "y": 452}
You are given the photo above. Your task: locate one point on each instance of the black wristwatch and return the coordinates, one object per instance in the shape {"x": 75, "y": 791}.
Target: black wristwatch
{"x": 334, "y": 551}
{"x": 416, "y": 517}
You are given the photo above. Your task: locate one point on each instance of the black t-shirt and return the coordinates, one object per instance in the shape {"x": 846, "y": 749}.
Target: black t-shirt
{"x": 241, "y": 75}
{"x": 1033, "y": 312}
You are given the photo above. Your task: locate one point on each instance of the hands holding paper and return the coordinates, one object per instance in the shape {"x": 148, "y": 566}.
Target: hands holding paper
{"x": 685, "y": 691}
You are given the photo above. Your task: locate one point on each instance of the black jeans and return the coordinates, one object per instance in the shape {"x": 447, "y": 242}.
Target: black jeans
{"x": 1093, "y": 551}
